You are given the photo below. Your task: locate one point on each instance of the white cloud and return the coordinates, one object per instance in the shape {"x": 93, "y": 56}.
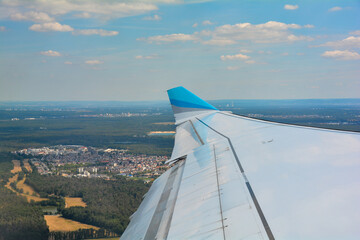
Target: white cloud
{"x": 219, "y": 42}
{"x": 342, "y": 55}
{"x": 101, "y": 32}
{"x": 264, "y": 52}
{"x": 334, "y": 9}
{"x": 245, "y": 51}
{"x": 195, "y": 25}
{"x": 32, "y": 16}
{"x": 51, "y": 53}
{"x": 250, "y": 62}
{"x": 154, "y": 56}
{"x": 291, "y": 7}
{"x": 269, "y": 32}
{"x": 207, "y": 22}
{"x": 68, "y": 63}
{"x": 309, "y": 26}
{"x": 357, "y": 32}
{"x": 285, "y": 54}
{"x": 232, "y": 68}
{"x": 350, "y": 42}
{"x": 48, "y": 27}
{"x": 153, "y": 18}
{"x": 105, "y": 9}
{"x": 170, "y": 38}
{"x": 2, "y": 29}
{"x": 83, "y": 15}
{"x": 93, "y": 62}
{"x": 234, "y": 57}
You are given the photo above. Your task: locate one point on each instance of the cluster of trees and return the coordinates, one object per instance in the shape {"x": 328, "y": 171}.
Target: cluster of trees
{"x": 92, "y": 131}
{"x": 109, "y": 203}
{"x": 81, "y": 234}
{"x": 18, "y": 218}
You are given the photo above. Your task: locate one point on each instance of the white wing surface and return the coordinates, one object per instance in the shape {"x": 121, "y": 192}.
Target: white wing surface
{"x": 234, "y": 177}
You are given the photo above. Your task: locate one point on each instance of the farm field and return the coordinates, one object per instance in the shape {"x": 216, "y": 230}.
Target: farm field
{"x": 27, "y": 165}
{"x": 74, "y": 202}
{"x": 28, "y": 191}
{"x": 58, "y": 223}
{"x": 17, "y": 166}
{"x": 11, "y": 180}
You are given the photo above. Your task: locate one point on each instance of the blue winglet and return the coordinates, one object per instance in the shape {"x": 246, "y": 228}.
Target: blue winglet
{"x": 183, "y": 98}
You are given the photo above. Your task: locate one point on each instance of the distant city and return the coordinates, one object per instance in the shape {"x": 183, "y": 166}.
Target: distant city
{"x": 91, "y": 162}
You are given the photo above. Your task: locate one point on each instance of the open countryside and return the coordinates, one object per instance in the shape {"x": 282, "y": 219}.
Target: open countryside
{"x": 57, "y": 223}
{"x": 95, "y": 171}
{"x": 74, "y": 202}
{"x": 17, "y": 167}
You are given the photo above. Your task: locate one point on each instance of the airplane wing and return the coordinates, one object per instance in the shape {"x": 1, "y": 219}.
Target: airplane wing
{"x": 234, "y": 177}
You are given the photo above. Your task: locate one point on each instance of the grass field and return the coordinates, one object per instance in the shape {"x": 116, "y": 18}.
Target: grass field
{"x": 58, "y": 223}
{"x": 12, "y": 179}
{"x": 17, "y": 167}
{"x": 28, "y": 191}
{"x": 74, "y": 202}
{"x": 27, "y": 165}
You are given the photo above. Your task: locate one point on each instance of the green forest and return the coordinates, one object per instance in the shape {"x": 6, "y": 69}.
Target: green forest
{"x": 121, "y": 133}
{"x": 109, "y": 203}
{"x": 18, "y": 218}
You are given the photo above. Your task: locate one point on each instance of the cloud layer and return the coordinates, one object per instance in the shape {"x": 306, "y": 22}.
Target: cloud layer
{"x": 153, "y": 18}
{"x": 105, "y": 9}
{"x": 269, "y": 32}
{"x": 234, "y": 57}
{"x": 51, "y": 53}
{"x": 347, "y": 43}
{"x": 93, "y": 62}
{"x": 32, "y": 16}
{"x": 335, "y": 9}
{"x": 342, "y": 55}
{"x": 100, "y": 32}
{"x": 51, "y": 27}
{"x": 291, "y": 7}
{"x": 154, "y": 56}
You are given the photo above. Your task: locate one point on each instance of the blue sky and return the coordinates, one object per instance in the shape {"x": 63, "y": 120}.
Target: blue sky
{"x": 136, "y": 50}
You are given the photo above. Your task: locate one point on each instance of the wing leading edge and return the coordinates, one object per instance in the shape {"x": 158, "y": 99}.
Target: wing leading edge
{"x": 234, "y": 177}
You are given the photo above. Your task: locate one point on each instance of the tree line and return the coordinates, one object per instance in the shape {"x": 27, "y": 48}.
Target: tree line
{"x": 109, "y": 203}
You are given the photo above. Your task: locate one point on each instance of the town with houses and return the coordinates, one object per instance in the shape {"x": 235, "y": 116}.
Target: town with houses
{"x": 91, "y": 162}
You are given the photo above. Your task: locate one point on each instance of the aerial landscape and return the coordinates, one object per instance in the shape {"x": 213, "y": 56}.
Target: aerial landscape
{"x": 86, "y": 126}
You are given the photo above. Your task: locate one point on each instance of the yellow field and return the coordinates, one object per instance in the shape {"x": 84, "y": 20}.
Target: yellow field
{"x": 17, "y": 167}
{"x": 74, "y": 202}
{"x": 12, "y": 179}
{"x": 27, "y": 165}
{"x": 159, "y": 132}
{"x": 28, "y": 191}
{"x": 26, "y": 188}
{"x": 58, "y": 223}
